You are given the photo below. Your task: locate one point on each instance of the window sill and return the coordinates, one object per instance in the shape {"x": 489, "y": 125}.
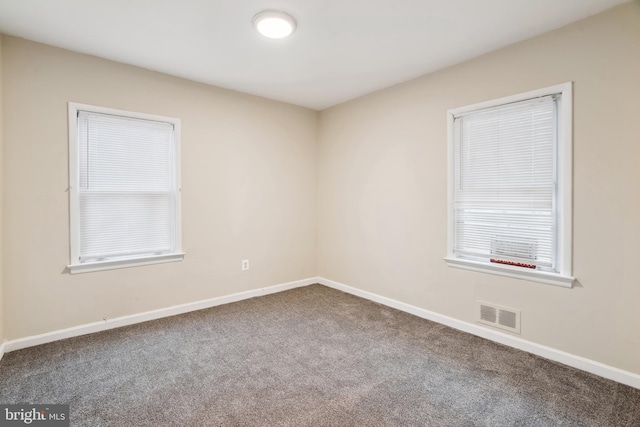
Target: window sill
{"x": 514, "y": 272}
{"x": 123, "y": 263}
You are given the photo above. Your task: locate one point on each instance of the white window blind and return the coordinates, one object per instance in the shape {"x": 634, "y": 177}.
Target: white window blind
{"x": 127, "y": 189}
{"x": 504, "y": 198}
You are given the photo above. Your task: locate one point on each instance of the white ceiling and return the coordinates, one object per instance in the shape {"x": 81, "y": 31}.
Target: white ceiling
{"x": 342, "y": 49}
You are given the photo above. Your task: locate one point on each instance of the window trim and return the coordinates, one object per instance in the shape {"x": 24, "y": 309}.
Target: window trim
{"x": 564, "y": 191}
{"x": 75, "y": 266}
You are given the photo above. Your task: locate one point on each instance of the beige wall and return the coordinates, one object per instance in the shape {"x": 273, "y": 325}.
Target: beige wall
{"x": 249, "y": 190}
{"x": 383, "y": 189}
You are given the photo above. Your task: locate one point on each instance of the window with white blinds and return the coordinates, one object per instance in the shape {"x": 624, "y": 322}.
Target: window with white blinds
{"x": 509, "y": 195}
{"x": 125, "y": 195}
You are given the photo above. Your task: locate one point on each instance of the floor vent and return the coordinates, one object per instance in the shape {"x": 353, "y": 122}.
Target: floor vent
{"x": 499, "y": 317}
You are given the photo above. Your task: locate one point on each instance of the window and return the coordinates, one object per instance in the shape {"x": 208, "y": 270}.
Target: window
{"x": 124, "y": 187}
{"x": 510, "y": 186}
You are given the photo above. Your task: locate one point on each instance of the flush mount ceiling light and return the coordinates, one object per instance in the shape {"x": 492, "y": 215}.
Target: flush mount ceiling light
{"x": 274, "y": 24}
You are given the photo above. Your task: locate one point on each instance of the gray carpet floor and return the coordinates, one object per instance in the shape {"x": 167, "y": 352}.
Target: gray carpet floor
{"x": 311, "y": 356}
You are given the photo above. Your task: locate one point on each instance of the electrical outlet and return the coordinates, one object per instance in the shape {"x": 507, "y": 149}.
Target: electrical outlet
{"x": 105, "y": 318}
{"x": 245, "y": 264}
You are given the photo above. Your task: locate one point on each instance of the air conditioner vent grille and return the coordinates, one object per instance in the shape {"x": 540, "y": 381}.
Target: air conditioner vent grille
{"x": 514, "y": 248}
{"x": 507, "y": 318}
{"x": 498, "y": 316}
{"x": 488, "y": 314}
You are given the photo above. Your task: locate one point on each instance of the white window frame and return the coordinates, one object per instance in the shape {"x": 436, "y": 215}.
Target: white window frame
{"x": 564, "y": 196}
{"x": 75, "y": 266}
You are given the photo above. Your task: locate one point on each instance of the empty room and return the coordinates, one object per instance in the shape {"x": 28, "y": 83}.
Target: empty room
{"x": 319, "y": 213}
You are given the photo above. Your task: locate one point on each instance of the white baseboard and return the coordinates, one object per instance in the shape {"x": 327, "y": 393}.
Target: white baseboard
{"x": 597, "y": 368}
{"x": 118, "y": 322}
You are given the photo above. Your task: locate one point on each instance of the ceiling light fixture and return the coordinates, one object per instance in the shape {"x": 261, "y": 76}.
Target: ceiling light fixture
{"x": 274, "y": 24}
